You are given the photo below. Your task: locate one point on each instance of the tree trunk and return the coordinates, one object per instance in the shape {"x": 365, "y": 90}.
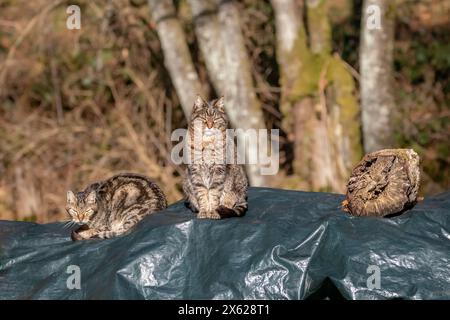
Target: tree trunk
{"x": 288, "y": 20}
{"x": 177, "y": 58}
{"x": 297, "y": 111}
{"x": 318, "y": 26}
{"x": 244, "y": 108}
{"x": 290, "y": 32}
{"x": 321, "y": 114}
{"x": 376, "y": 59}
{"x": 218, "y": 31}
{"x": 209, "y": 37}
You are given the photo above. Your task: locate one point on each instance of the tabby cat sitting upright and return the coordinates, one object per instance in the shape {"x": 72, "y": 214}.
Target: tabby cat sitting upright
{"x": 213, "y": 189}
{"x": 112, "y": 207}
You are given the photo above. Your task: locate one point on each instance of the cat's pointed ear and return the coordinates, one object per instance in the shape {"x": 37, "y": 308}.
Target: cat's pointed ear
{"x": 199, "y": 102}
{"x": 71, "y": 199}
{"x": 91, "y": 198}
{"x": 220, "y": 103}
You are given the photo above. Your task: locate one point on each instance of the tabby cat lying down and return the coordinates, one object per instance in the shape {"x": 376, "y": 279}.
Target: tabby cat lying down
{"x": 112, "y": 207}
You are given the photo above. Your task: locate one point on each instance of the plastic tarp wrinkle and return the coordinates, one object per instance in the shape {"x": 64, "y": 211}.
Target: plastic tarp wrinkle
{"x": 290, "y": 245}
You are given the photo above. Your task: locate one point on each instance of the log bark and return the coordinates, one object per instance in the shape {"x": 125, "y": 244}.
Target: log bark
{"x": 376, "y": 59}
{"x": 384, "y": 183}
{"x": 177, "y": 58}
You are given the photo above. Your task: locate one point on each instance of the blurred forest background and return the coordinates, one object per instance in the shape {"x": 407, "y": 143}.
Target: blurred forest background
{"x": 81, "y": 105}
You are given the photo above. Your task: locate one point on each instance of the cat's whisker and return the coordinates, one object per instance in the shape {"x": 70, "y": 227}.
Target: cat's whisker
{"x": 68, "y": 224}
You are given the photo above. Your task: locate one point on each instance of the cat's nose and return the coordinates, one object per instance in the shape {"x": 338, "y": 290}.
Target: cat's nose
{"x": 209, "y": 124}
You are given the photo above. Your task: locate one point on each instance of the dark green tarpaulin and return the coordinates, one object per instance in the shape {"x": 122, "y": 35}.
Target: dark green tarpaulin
{"x": 290, "y": 245}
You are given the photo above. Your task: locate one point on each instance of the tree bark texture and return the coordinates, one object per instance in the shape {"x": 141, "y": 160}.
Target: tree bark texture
{"x": 177, "y": 58}
{"x": 208, "y": 34}
{"x": 318, "y": 26}
{"x": 376, "y": 59}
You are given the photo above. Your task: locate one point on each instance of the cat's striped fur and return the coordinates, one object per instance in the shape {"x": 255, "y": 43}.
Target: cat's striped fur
{"x": 213, "y": 189}
{"x": 112, "y": 207}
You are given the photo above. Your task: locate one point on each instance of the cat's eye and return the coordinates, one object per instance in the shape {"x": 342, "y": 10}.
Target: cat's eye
{"x": 72, "y": 212}
{"x": 89, "y": 212}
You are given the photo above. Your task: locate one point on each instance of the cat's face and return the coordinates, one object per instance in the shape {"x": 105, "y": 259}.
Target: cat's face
{"x": 210, "y": 117}
{"x": 81, "y": 207}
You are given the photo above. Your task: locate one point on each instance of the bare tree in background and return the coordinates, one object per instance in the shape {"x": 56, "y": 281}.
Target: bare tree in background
{"x": 218, "y": 31}
{"x": 320, "y": 110}
{"x": 376, "y": 59}
{"x": 208, "y": 33}
{"x": 177, "y": 58}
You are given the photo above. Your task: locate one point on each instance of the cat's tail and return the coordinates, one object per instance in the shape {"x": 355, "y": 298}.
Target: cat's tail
{"x": 238, "y": 210}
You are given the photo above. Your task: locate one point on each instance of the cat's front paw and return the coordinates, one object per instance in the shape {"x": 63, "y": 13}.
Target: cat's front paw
{"x": 202, "y": 215}
{"x": 75, "y": 236}
{"x": 208, "y": 215}
{"x": 85, "y": 234}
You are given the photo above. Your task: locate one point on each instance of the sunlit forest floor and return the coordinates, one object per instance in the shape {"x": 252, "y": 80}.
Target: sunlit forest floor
{"x": 77, "y": 106}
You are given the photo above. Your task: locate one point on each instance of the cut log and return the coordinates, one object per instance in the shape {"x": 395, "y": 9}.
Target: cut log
{"x": 384, "y": 183}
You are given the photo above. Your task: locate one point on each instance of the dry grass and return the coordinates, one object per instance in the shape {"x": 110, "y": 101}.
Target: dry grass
{"x": 78, "y": 106}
